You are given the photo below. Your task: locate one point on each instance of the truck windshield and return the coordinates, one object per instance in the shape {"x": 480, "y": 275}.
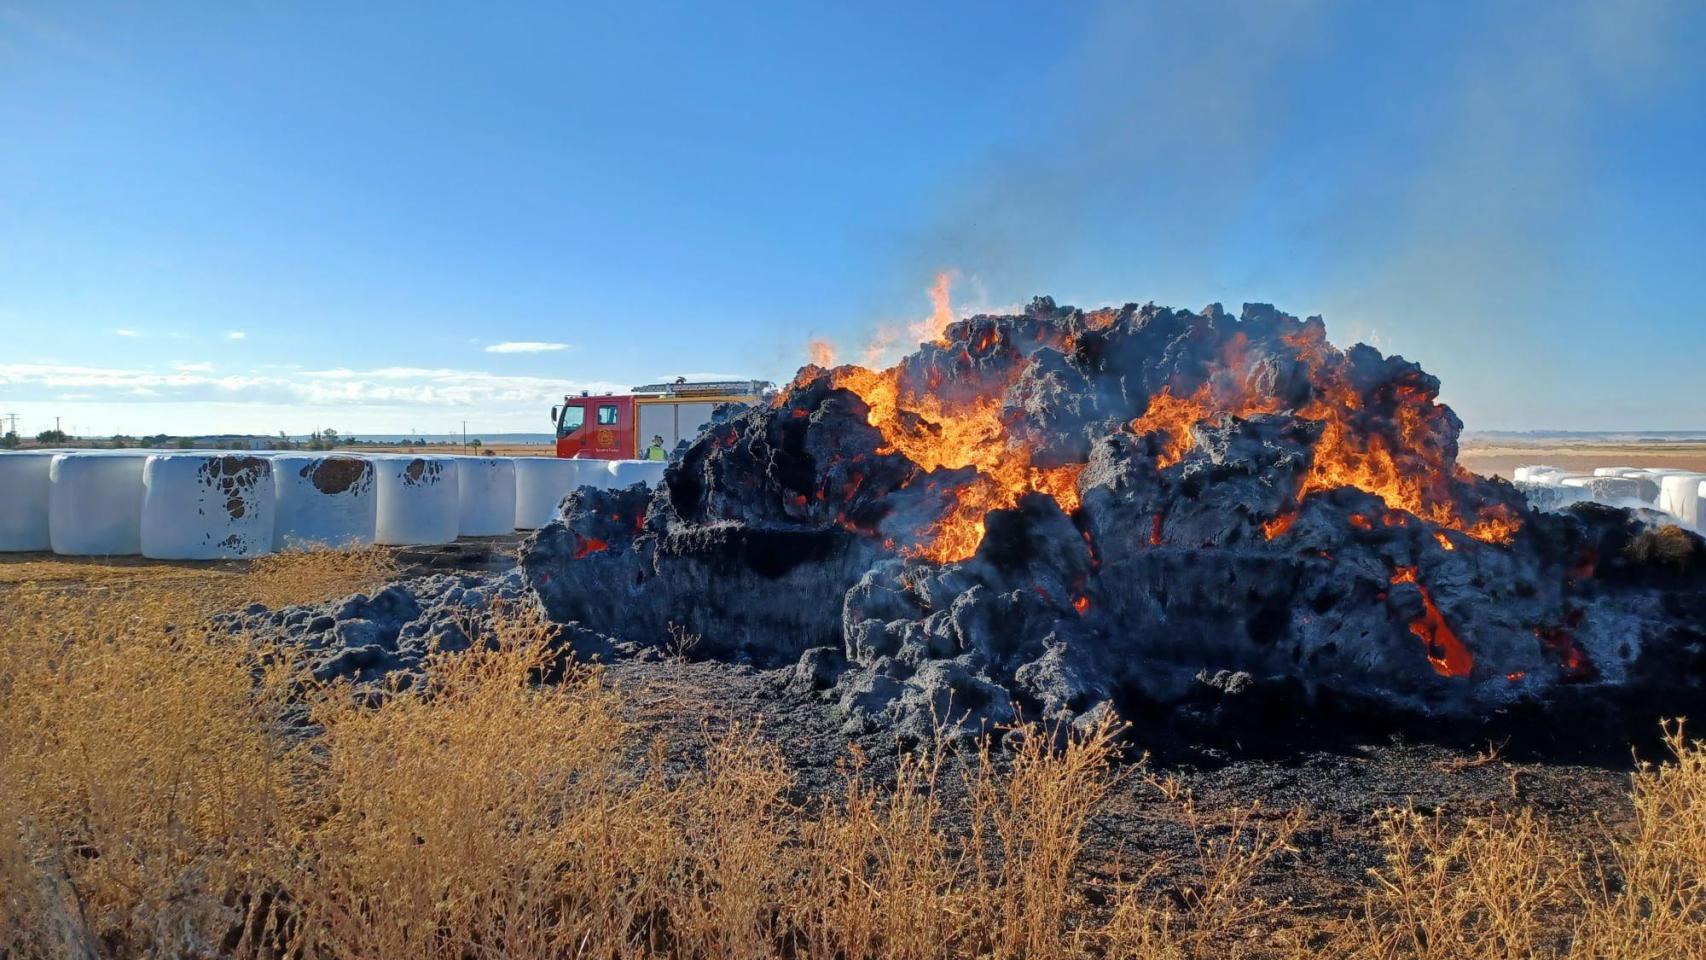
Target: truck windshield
{"x": 573, "y": 418}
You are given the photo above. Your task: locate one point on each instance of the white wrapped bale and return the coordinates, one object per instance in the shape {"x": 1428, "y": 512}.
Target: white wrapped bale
{"x": 1610, "y": 471}
{"x": 419, "y": 502}
{"x": 486, "y": 491}
{"x": 328, "y": 501}
{"x": 1648, "y": 481}
{"x": 24, "y": 490}
{"x": 207, "y": 506}
{"x": 541, "y": 483}
{"x": 95, "y": 503}
{"x": 1540, "y": 475}
{"x": 1679, "y": 496}
{"x": 626, "y": 473}
{"x": 25, "y": 480}
{"x": 1609, "y": 490}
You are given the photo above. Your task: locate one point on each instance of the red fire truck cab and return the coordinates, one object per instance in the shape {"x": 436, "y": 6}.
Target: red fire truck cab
{"x": 621, "y": 426}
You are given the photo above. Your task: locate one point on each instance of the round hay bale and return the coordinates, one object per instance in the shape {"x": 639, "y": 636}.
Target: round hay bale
{"x": 95, "y": 503}
{"x": 25, "y": 478}
{"x": 626, "y": 473}
{"x": 330, "y": 500}
{"x": 419, "y": 500}
{"x": 541, "y": 483}
{"x": 1679, "y": 496}
{"x": 207, "y": 506}
{"x": 486, "y": 496}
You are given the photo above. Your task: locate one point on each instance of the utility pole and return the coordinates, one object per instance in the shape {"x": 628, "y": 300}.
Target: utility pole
{"x": 464, "y": 436}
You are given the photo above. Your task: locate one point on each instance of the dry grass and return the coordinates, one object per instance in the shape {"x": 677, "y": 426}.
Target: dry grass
{"x": 1668, "y": 545}
{"x": 1512, "y": 886}
{"x": 165, "y": 791}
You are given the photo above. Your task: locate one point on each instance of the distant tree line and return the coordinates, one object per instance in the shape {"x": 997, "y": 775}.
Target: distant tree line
{"x": 323, "y": 439}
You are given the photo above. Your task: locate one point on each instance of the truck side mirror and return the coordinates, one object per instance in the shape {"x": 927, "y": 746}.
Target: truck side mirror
{"x": 554, "y": 413}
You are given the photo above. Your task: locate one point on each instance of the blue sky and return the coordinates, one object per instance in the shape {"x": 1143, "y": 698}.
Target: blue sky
{"x": 262, "y": 217}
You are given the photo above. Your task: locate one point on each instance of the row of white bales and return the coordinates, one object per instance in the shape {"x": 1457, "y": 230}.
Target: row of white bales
{"x": 189, "y": 505}
{"x": 1680, "y": 493}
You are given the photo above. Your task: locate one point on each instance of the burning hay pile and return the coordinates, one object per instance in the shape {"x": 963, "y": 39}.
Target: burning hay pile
{"x": 1186, "y": 518}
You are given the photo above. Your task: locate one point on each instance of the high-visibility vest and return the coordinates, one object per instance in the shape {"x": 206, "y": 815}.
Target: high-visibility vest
{"x": 656, "y": 453}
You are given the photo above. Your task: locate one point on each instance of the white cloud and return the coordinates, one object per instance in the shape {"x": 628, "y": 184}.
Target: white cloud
{"x": 193, "y": 367}
{"x": 525, "y": 346}
{"x": 236, "y": 335}
{"x": 121, "y": 331}
{"x": 426, "y": 390}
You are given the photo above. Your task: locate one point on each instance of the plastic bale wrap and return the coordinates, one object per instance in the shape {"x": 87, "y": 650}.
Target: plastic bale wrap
{"x": 95, "y": 503}
{"x": 207, "y": 506}
{"x": 1647, "y": 483}
{"x": 24, "y": 485}
{"x": 1539, "y": 475}
{"x": 541, "y": 483}
{"x": 626, "y": 473}
{"x": 1679, "y": 496}
{"x": 487, "y": 496}
{"x": 328, "y": 501}
{"x": 1610, "y": 490}
{"x": 1610, "y": 471}
{"x": 419, "y": 501}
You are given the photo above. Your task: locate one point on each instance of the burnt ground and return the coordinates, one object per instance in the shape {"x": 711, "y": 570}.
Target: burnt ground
{"x": 1342, "y": 791}
{"x": 465, "y": 555}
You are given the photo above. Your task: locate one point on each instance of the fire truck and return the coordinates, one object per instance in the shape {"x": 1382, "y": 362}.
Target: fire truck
{"x": 621, "y": 426}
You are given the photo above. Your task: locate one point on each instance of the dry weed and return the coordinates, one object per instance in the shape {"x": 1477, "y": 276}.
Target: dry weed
{"x": 282, "y": 579}
{"x": 140, "y": 776}
{"x": 1668, "y": 545}
{"x": 168, "y": 791}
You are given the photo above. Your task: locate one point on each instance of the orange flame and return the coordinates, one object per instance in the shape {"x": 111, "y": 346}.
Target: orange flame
{"x": 933, "y": 436}
{"x": 821, "y": 353}
{"x": 933, "y": 328}
{"x": 1450, "y": 658}
{"x": 1344, "y": 456}
{"x": 879, "y": 352}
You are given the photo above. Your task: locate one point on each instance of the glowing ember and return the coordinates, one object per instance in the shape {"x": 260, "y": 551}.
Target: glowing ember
{"x": 1450, "y": 658}
{"x": 1278, "y": 525}
{"x": 1561, "y": 645}
{"x": 586, "y": 546}
{"x": 1081, "y": 603}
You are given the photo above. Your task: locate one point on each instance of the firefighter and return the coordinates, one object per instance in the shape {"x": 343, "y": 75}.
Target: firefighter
{"x": 655, "y": 451}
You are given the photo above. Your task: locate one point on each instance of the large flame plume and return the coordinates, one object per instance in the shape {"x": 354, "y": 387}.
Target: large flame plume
{"x": 1384, "y": 439}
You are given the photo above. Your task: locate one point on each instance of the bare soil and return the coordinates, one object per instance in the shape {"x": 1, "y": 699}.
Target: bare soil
{"x": 1501, "y": 458}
